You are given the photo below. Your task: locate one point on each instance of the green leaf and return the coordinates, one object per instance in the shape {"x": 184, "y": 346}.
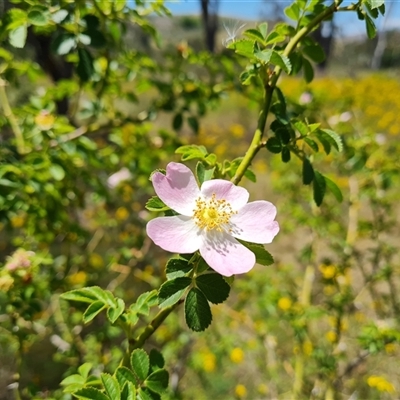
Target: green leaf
{"x": 84, "y": 369}
{"x": 59, "y": 16}
{"x": 293, "y": 11}
{"x": 171, "y": 291}
{"x": 308, "y": 70}
{"x": 128, "y": 392}
{"x": 263, "y": 28}
{"x": 74, "y": 379}
{"x": 94, "y": 309}
{"x": 274, "y": 37}
{"x": 156, "y": 204}
{"x": 85, "y": 295}
{"x": 326, "y": 143}
{"x": 274, "y": 145}
{"x": 214, "y": 287}
{"x": 156, "y": 360}
{"x": 145, "y": 301}
{"x": 194, "y": 124}
{"x": 192, "y": 151}
{"x": 113, "y": 313}
{"x": 90, "y": 393}
{"x": 38, "y": 16}
{"x": 319, "y": 188}
{"x": 308, "y": 172}
{"x": 197, "y": 311}
{"x": 312, "y": 143}
{"x": 111, "y": 386}
{"x": 57, "y": 172}
{"x": 370, "y": 26}
{"x": 255, "y": 34}
{"x": 177, "y": 121}
{"x": 17, "y": 37}
{"x": 285, "y": 155}
{"x": 140, "y": 364}
{"x": 125, "y": 375}
{"x": 334, "y": 189}
{"x": 202, "y": 173}
{"x": 157, "y": 381}
{"x": 334, "y": 139}
{"x": 376, "y": 3}
{"x": 282, "y": 61}
{"x": 85, "y": 68}
{"x": 146, "y": 394}
{"x": 263, "y": 257}
{"x": 176, "y": 267}
{"x": 244, "y": 47}
{"x": 63, "y": 43}
{"x": 315, "y": 52}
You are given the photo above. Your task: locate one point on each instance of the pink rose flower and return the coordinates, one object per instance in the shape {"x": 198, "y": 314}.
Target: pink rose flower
{"x": 211, "y": 218}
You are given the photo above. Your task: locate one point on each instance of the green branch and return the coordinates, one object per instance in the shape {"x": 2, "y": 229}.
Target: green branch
{"x": 269, "y": 87}
{"x": 8, "y": 113}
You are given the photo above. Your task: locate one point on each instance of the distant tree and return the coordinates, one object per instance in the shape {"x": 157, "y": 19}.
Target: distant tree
{"x": 209, "y": 13}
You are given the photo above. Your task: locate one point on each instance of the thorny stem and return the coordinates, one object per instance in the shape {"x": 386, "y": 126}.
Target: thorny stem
{"x": 269, "y": 87}
{"x": 8, "y": 113}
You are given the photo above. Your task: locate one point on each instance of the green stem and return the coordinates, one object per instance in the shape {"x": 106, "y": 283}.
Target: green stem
{"x": 269, "y": 87}
{"x": 8, "y": 113}
{"x": 148, "y": 331}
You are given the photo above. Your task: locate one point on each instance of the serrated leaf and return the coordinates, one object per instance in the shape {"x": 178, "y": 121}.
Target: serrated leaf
{"x": 156, "y": 360}
{"x": 176, "y": 267}
{"x": 214, "y": 287}
{"x": 326, "y": 143}
{"x": 94, "y": 309}
{"x": 85, "y": 68}
{"x": 376, "y": 3}
{"x": 301, "y": 127}
{"x": 274, "y": 37}
{"x": 84, "y": 295}
{"x": 113, "y": 313}
{"x": 308, "y": 172}
{"x": 125, "y": 375}
{"x": 203, "y": 174}
{"x": 156, "y": 204}
{"x": 90, "y": 393}
{"x": 158, "y": 381}
{"x": 312, "y": 143}
{"x": 244, "y": 47}
{"x": 315, "y": 52}
{"x": 319, "y": 188}
{"x": 111, "y": 386}
{"x": 146, "y": 394}
{"x": 370, "y": 26}
{"x": 128, "y": 392}
{"x": 145, "y": 301}
{"x": 263, "y": 257}
{"x": 254, "y": 34}
{"x": 334, "y": 139}
{"x": 140, "y": 364}
{"x": 274, "y": 145}
{"x": 334, "y": 189}
{"x": 197, "y": 311}
{"x": 17, "y": 37}
{"x": 282, "y": 61}
{"x": 171, "y": 291}
{"x": 191, "y": 151}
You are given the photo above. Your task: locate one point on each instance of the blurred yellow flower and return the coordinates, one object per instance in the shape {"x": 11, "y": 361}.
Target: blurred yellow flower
{"x": 44, "y": 120}
{"x": 209, "y": 361}
{"x": 307, "y": 347}
{"x": 6, "y": 282}
{"x": 237, "y": 130}
{"x": 240, "y": 391}
{"x": 79, "y": 278}
{"x": 237, "y": 355}
{"x": 380, "y": 383}
{"x": 284, "y": 303}
{"x": 17, "y": 221}
{"x": 96, "y": 260}
{"x": 328, "y": 271}
{"x": 331, "y": 336}
{"x": 121, "y": 214}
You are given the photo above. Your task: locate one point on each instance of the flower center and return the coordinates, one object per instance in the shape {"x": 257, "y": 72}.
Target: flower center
{"x": 212, "y": 213}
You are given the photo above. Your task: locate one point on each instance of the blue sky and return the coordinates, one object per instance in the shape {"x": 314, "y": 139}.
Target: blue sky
{"x": 256, "y": 9}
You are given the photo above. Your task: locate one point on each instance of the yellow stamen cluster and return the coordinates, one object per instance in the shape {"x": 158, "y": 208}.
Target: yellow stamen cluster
{"x": 212, "y": 213}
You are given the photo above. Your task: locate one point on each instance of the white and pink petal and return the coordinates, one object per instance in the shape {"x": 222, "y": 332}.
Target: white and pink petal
{"x": 177, "y": 234}
{"x": 236, "y": 196}
{"x": 225, "y": 255}
{"x": 178, "y": 189}
{"x": 255, "y": 222}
